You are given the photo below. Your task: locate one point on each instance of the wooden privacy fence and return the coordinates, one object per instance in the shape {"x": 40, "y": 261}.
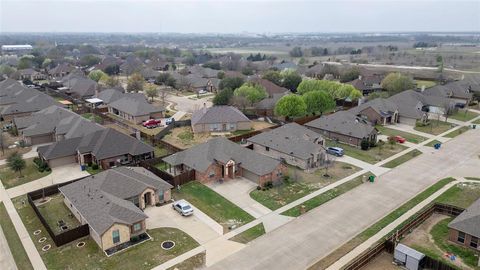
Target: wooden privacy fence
{"x": 388, "y": 244}
{"x": 66, "y": 236}
{"x": 174, "y": 180}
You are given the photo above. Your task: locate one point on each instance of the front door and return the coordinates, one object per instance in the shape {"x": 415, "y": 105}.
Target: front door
{"x": 146, "y": 199}
{"x": 224, "y": 127}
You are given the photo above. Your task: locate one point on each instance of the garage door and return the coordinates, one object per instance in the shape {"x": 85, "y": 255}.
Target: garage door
{"x": 61, "y": 161}
{"x": 250, "y": 176}
{"x": 41, "y": 139}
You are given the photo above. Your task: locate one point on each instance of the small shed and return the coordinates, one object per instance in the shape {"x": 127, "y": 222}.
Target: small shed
{"x": 409, "y": 257}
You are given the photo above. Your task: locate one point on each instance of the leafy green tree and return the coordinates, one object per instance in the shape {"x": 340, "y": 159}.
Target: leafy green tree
{"x": 96, "y": 75}
{"x": 291, "y": 79}
{"x": 318, "y": 102}
{"x": 230, "y": 82}
{"x": 350, "y": 74}
{"x": 7, "y": 70}
{"x": 135, "y": 83}
{"x": 46, "y": 63}
{"x": 16, "y": 163}
{"x": 223, "y": 97}
{"x": 89, "y": 60}
{"x": 355, "y": 95}
{"x": 253, "y": 93}
{"x": 151, "y": 91}
{"x": 296, "y": 52}
{"x": 291, "y": 106}
{"x": 112, "y": 81}
{"x": 24, "y": 63}
{"x": 113, "y": 69}
{"x": 273, "y": 76}
{"x": 220, "y": 75}
{"x": 395, "y": 83}
{"x": 247, "y": 71}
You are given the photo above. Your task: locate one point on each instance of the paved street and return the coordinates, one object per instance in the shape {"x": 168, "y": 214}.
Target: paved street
{"x": 312, "y": 236}
{"x": 185, "y": 104}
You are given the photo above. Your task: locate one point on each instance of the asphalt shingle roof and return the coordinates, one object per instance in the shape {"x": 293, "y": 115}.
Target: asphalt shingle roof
{"x": 135, "y": 105}
{"x": 218, "y": 114}
{"x": 345, "y": 123}
{"x": 469, "y": 220}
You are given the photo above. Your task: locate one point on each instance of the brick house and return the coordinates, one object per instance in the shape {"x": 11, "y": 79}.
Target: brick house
{"x": 111, "y": 203}
{"x": 464, "y": 230}
{"x": 219, "y": 119}
{"x": 379, "y": 111}
{"x": 219, "y": 158}
{"x": 134, "y": 108}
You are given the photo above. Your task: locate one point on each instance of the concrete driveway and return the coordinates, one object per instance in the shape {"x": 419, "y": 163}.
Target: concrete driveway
{"x": 314, "y": 235}
{"x": 188, "y": 105}
{"x": 59, "y": 174}
{"x": 237, "y": 191}
{"x": 194, "y": 225}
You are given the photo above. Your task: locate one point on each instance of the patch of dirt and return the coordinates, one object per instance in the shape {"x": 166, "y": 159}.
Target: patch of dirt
{"x": 258, "y": 125}
{"x": 173, "y": 138}
{"x": 382, "y": 262}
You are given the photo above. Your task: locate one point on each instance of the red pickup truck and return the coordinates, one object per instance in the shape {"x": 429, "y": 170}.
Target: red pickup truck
{"x": 152, "y": 123}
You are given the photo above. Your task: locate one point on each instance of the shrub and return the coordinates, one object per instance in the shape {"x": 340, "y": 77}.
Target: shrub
{"x": 259, "y": 187}
{"x": 365, "y": 144}
{"x": 95, "y": 166}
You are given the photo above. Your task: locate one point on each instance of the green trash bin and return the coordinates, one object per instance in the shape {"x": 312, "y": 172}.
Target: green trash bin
{"x": 474, "y": 126}
{"x": 371, "y": 178}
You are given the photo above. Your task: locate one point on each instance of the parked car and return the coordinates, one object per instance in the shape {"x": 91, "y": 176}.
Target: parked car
{"x": 168, "y": 121}
{"x": 399, "y": 139}
{"x": 183, "y": 207}
{"x": 152, "y": 123}
{"x": 337, "y": 151}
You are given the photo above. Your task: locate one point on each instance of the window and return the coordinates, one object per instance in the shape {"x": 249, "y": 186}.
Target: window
{"x": 137, "y": 227}
{"x": 474, "y": 242}
{"x": 116, "y": 236}
{"x": 267, "y": 148}
{"x": 212, "y": 174}
{"x": 461, "y": 237}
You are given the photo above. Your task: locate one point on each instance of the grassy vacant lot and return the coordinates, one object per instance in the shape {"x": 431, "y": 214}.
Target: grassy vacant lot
{"x": 143, "y": 256}
{"x": 434, "y": 127}
{"x": 55, "y": 210}
{"x": 213, "y": 204}
{"x": 14, "y": 243}
{"x": 300, "y": 184}
{"x": 410, "y": 137}
{"x": 432, "y": 143}
{"x": 326, "y": 196}
{"x": 250, "y": 234}
{"x": 375, "y": 228}
{"x": 402, "y": 159}
{"x": 11, "y": 179}
{"x": 372, "y": 155}
{"x": 456, "y": 132}
{"x": 464, "y": 115}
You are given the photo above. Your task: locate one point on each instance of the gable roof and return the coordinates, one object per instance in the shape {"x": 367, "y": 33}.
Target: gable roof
{"x": 218, "y": 114}
{"x": 201, "y": 156}
{"x": 269, "y": 103}
{"x": 469, "y": 220}
{"x": 109, "y": 95}
{"x": 410, "y": 103}
{"x": 382, "y": 106}
{"x": 135, "y": 105}
{"x": 269, "y": 86}
{"x": 292, "y": 139}
{"x": 450, "y": 90}
{"x": 102, "y": 198}
{"x": 343, "y": 122}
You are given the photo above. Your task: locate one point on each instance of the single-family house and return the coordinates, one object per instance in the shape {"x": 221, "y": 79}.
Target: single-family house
{"x": 28, "y": 74}
{"x": 111, "y": 203}
{"x": 78, "y": 86}
{"x": 219, "y": 119}
{"x": 368, "y": 84}
{"x": 379, "y": 111}
{"x": 134, "y": 108}
{"x": 293, "y": 144}
{"x": 271, "y": 88}
{"x": 464, "y": 230}
{"x": 60, "y": 70}
{"x": 106, "y": 147}
{"x": 455, "y": 91}
{"x": 266, "y": 106}
{"x": 220, "y": 158}
{"x": 344, "y": 127}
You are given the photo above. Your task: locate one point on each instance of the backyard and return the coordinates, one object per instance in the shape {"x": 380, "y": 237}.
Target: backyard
{"x": 213, "y": 204}
{"x": 410, "y": 137}
{"x": 30, "y": 173}
{"x": 402, "y": 159}
{"x": 434, "y": 127}
{"x": 143, "y": 256}
{"x": 464, "y": 115}
{"x": 91, "y": 116}
{"x": 9, "y": 139}
{"x": 372, "y": 155}
{"x": 301, "y": 183}
{"x": 55, "y": 210}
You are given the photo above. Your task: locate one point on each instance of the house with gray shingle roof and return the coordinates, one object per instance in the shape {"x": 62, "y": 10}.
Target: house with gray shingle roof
{"x": 219, "y": 119}
{"x": 455, "y": 91}
{"x": 344, "y": 127}
{"x": 134, "y": 108}
{"x": 110, "y": 202}
{"x": 379, "y": 111}
{"x": 106, "y": 147}
{"x": 465, "y": 228}
{"x": 293, "y": 144}
{"x": 220, "y": 158}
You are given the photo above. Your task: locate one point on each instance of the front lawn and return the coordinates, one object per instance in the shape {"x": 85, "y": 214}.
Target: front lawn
{"x": 326, "y": 196}
{"x": 300, "y": 183}
{"x": 432, "y": 143}
{"x": 434, "y": 127}
{"x": 213, "y": 204}
{"x": 250, "y": 234}
{"x": 55, "y": 210}
{"x": 464, "y": 115}
{"x": 91, "y": 116}
{"x": 14, "y": 243}
{"x": 402, "y": 159}
{"x": 143, "y": 256}
{"x": 30, "y": 173}
{"x": 461, "y": 195}
{"x": 456, "y": 132}
{"x": 410, "y": 137}
{"x": 372, "y": 155}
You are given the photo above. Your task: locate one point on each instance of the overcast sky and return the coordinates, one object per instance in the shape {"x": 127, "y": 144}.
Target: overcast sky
{"x": 261, "y": 16}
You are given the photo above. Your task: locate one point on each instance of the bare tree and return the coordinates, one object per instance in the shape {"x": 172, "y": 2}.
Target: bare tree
{"x": 163, "y": 95}
{"x": 329, "y": 163}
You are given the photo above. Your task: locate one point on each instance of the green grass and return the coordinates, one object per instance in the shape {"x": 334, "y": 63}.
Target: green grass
{"x": 30, "y": 173}
{"x": 186, "y": 135}
{"x": 194, "y": 262}
{"x": 143, "y": 256}
{"x": 432, "y": 143}
{"x": 160, "y": 151}
{"x": 402, "y": 159}
{"x": 213, "y": 204}
{"x": 456, "y": 132}
{"x": 14, "y": 243}
{"x": 163, "y": 166}
{"x": 372, "y": 155}
{"x": 300, "y": 184}
{"x": 250, "y": 234}
{"x": 461, "y": 195}
{"x": 410, "y": 137}
{"x": 464, "y": 115}
{"x": 91, "y": 116}
{"x": 241, "y": 132}
{"x": 90, "y": 170}
{"x": 477, "y": 122}
{"x": 326, "y": 196}
{"x": 55, "y": 210}
{"x": 427, "y": 84}
{"x": 434, "y": 127}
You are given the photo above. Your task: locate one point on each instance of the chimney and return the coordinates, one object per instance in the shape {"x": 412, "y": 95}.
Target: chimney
{"x": 204, "y": 107}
